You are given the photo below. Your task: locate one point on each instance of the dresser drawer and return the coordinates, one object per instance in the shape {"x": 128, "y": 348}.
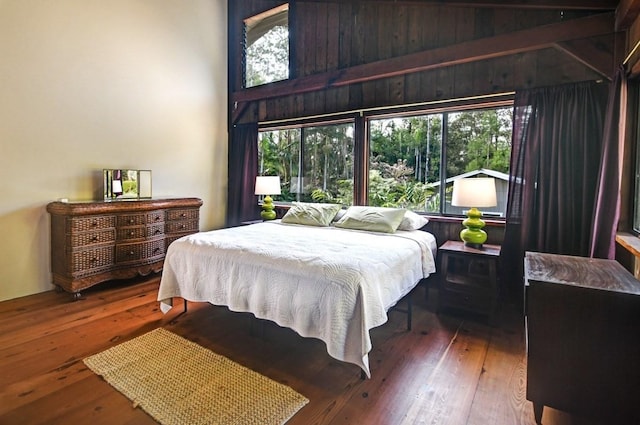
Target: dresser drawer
{"x": 84, "y": 224}
{"x": 467, "y": 300}
{"x": 155, "y": 217}
{"x": 183, "y": 214}
{"x": 97, "y": 237}
{"x": 133, "y": 252}
{"x": 131, "y": 220}
{"x": 182, "y": 226}
{"x": 88, "y": 261}
{"x": 131, "y": 233}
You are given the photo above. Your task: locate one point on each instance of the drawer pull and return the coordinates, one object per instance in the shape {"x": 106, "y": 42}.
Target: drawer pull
{"x": 157, "y": 231}
{"x": 157, "y": 217}
{"x": 183, "y": 226}
{"x": 94, "y": 238}
{"x": 131, "y": 253}
{"x": 131, "y": 233}
{"x": 183, "y": 215}
{"x": 156, "y": 250}
{"x": 131, "y": 221}
{"x": 94, "y": 223}
{"x": 94, "y": 259}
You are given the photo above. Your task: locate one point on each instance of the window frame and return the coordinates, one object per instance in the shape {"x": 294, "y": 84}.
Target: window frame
{"x": 255, "y": 20}
{"x": 360, "y": 121}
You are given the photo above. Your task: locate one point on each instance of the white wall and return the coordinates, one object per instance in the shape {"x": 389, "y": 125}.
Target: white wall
{"x": 93, "y": 84}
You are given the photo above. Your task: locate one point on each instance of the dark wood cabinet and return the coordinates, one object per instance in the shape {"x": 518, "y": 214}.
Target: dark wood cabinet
{"x": 583, "y": 346}
{"x": 469, "y": 278}
{"x": 96, "y": 241}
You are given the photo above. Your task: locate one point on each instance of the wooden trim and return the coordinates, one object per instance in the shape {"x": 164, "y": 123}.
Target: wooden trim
{"x": 626, "y": 13}
{"x": 589, "y": 54}
{"x": 475, "y": 50}
{"x": 522, "y": 4}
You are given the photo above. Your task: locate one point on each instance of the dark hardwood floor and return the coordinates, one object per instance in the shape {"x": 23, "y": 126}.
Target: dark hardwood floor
{"x": 448, "y": 370}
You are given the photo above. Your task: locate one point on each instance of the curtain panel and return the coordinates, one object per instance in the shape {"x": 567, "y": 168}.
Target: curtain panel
{"x": 242, "y": 204}
{"x": 607, "y": 205}
{"x": 555, "y": 158}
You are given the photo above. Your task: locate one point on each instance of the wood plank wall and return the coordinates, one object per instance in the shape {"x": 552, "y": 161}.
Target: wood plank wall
{"x": 329, "y": 36}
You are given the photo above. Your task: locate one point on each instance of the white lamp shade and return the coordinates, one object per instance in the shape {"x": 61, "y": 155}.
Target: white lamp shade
{"x": 267, "y": 185}
{"x": 474, "y": 192}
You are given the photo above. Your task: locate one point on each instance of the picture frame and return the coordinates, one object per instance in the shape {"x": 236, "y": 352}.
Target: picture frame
{"x": 126, "y": 184}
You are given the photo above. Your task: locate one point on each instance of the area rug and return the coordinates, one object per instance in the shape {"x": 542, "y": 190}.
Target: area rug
{"x": 178, "y": 382}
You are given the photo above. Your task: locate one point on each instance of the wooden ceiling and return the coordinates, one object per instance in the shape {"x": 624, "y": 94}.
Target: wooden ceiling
{"x": 579, "y": 38}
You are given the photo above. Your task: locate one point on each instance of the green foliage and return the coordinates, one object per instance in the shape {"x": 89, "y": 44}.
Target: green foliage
{"x": 267, "y": 59}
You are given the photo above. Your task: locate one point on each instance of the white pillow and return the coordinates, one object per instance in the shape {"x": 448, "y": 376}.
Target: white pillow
{"x": 311, "y": 214}
{"x": 373, "y": 219}
{"x": 413, "y": 221}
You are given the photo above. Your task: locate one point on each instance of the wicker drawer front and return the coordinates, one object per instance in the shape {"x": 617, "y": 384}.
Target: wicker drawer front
{"x": 85, "y": 224}
{"x": 170, "y": 239}
{"x": 89, "y": 261}
{"x": 81, "y": 239}
{"x": 139, "y": 251}
{"x": 131, "y": 233}
{"x": 182, "y": 226}
{"x": 155, "y": 230}
{"x": 131, "y": 220}
{"x": 155, "y": 217}
{"x": 184, "y": 214}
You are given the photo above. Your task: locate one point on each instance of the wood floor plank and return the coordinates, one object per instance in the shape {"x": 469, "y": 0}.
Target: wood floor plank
{"x": 452, "y": 385}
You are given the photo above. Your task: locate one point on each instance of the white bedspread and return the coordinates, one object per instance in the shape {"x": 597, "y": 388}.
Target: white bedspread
{"x": 323, "y": 282}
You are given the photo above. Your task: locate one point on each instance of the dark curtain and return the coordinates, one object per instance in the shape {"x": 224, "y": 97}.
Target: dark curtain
{"x": 242, "y": 204}
{"x": 555, "y": 155}
{"x": 607, "y": 206}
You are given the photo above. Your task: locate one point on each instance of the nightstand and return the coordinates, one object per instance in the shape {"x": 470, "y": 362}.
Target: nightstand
{"x": 469, "y": 278}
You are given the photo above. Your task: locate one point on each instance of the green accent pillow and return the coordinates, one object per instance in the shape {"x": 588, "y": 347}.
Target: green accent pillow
{"x": 311, "y": 214}
{"x": 373, "y": 219}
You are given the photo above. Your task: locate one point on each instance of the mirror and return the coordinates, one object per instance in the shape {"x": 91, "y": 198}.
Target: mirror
{"x": 127, "y": 184}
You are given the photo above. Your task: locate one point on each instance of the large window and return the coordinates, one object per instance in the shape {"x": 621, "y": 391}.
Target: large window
{"x": 267, "y": 47}
{"x": 406, "y": 155}
{"x": 314, "y": 163}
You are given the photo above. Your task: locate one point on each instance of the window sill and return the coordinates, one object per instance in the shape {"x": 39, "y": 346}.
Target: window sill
{"x": 630, "y": 242}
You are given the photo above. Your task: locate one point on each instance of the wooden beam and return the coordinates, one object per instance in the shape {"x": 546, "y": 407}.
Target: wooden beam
{"x": 470, "y": 51}
{"x": 518, "y": 4}
{"x": 626, "y": 13}
{"x": 591, "y": 54}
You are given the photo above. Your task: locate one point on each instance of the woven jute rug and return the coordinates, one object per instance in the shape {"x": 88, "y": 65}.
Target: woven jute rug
{"x": 178, "y": 382}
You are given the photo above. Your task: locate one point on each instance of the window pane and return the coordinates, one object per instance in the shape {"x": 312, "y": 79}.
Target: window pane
{"x": 279, "y": 154}
{"x": 405, "y": 162}
{"x": 267, "y": 47}
{"x": 328, "y": 164}
{"x": 479, "y": 145}
{"x": 406, "y": 153}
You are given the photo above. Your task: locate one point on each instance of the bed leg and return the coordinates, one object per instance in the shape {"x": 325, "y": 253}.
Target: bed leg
{"x": 409, "y": 311}
{"x": 185, "y": 306}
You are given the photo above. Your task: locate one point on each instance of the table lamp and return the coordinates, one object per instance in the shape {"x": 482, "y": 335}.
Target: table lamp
{"x": 474, "y": 192}
{"x": 267, "y": 185}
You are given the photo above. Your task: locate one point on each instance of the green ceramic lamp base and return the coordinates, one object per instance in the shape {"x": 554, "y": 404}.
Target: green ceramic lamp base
{"x": 473, "y": 235}
{"x": 268, "y": 212}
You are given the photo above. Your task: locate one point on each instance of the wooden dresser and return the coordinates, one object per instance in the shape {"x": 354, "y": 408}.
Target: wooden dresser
{"x": 583, "y": 349}
{"x": 96, "y": 241}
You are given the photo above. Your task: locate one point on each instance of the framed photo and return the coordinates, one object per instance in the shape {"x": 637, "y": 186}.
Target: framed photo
{"x": 127, "y": 184}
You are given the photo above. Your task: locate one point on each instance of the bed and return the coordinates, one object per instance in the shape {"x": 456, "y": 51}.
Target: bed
{"x": 327, "y": 282}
